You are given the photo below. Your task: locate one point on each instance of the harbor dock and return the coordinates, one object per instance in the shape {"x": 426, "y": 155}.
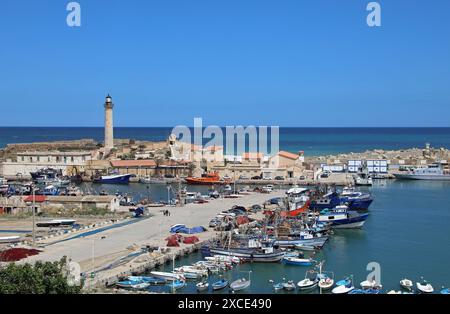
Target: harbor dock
{"x": 109, "y": 253}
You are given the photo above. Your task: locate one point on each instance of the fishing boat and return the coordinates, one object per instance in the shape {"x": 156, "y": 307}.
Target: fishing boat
{"x": 147, "y": 279}
{"x": 132, "y": 284}
{"x": 10, "y": 239}
{"x": 177, "y": 284}
{"x": 306, "y": 238}
{"x": 307, "y": 284}
{"x": 206, "y": 179}
{"x": 278, "y": 286}
{"x": 344, "y": 282}
{"x": 289, "y": 286}
{"x": 370, "y": 284}
{"x": 406, "y": 284}
{"x": 191, "y": 269}
{"x": 223, "y": 258}
{"x": 327, "y": 201}
{"x": 167, "y": 275}
{"x": 445, "y": 291}
{"x": 355, "y": 200}
{"x": 342, "y": 218}
{"x": 202, "y": 286}
{"x": 298, "y": 201}
{"x": 365, "y": 291}
{"x": 221, "y": 284}
{"x": 290, "y": 260}
{"x": 254, "y": 251}
{"x": 114, "y": 179}
{"x": 304, "y": 247}
{"x": 240, "y": 284}
{"x": 424, "y": 287}
{"x": 343, "y": 289}
{"x": 394, "y": 292}
{"x": 56, "y": 223}
{"x": 432, "y": 172}
{"x": 326, "y": 279}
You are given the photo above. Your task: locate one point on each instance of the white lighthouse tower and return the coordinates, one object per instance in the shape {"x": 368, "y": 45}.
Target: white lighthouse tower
{"x": 109, "y": 136}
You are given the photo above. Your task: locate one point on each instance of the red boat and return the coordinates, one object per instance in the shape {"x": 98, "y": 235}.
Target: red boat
{"x": 207, "y": 179}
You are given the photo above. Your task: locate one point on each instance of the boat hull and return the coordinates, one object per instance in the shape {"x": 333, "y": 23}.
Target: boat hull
{"x": 246, "y": 255}
{"x": 115, "y": 179}
{"x": 442, "y": 177}
{"x": 313, "y": 242}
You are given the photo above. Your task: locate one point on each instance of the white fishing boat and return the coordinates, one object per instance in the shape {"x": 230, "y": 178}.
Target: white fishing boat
{"x": 10, "y": 239}
{"x": 192, "y": 269}
{"x": 342, "y": 289}
{"x": 202, "y": 286}
{"x": 167, "y": 275}
{"x": 406, "y": 284}
{"x": 289, "y": 286}
{"x": 394, "y": 292}
{"x": 224, "y": 258}
{"x": 370, "y": 284}
{"x": 307, "y": 284}
{"x": 424, "y": 287}
{"x": 326, "y": 279}
{"x": 241, "y": 283}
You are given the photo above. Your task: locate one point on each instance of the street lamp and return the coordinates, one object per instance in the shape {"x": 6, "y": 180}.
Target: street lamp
{"x": 33, "y": 206}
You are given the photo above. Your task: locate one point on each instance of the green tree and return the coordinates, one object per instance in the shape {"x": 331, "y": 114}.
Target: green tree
{"x": 40, "y": 278}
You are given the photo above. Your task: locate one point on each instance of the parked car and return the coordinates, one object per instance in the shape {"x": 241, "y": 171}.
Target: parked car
{"x": 279, "y": 178}
{"x": 256, "y": 178}
{"x": 275, "y": 201}
{"x": 302, "y": 178}
{"x": 256, "y": 207}
{"x": 325, "y": 175}
{"x": 243, "y": 178}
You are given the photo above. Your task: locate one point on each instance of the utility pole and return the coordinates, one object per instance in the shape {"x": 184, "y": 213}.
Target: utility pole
{"x": 34, "y": 216}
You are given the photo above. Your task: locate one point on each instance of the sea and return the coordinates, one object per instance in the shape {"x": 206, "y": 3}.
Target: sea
{"x": 313, "y": 141}
{"x": 406, "y": 236}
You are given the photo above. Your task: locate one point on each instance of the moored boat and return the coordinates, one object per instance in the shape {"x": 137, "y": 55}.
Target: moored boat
{"x": 221, "y": 284}
{"x": 114, "y": 179}
{"x": 424, "y": 287}
{"x": 288, "y": 286}
{"x": 291, "y": 260}
{"x": 240, "y": 284}
{"x": 342, "y": 218}
{"x": 167, "y": 275}
{"x": 406, "y": 284}
{"x": 202, "y": 286}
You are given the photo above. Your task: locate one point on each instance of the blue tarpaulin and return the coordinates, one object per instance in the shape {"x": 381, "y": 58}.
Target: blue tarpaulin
{"x": 184, "y": 229}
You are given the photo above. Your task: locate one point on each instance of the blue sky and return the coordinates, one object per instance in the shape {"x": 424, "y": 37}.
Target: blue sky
{"x": 261, "y": 62}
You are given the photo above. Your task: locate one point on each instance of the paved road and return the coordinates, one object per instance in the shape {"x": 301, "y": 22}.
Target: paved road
{"x": 151, "y": 231}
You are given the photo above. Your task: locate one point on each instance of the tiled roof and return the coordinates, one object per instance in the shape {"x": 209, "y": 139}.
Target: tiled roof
{"x": 133, "y": 163}
{"x": 287, "y": 155}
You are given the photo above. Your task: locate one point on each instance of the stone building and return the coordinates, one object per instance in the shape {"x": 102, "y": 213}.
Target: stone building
{"x": 71, "y": 163}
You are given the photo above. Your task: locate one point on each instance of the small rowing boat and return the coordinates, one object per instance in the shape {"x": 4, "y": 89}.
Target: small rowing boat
{"x": 406, "y": 284}
{"x": 202, "y": 286}
{"x": 219, "y": 285}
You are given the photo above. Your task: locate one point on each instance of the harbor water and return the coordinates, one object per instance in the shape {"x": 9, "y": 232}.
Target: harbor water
{"x": 406, "y": 234}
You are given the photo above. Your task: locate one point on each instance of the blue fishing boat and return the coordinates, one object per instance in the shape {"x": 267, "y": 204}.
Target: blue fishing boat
{"x": 344, "y": 282}
{"x": 278, "y": 286}
{"x": 445, "y": 291}
{"x": 147, "y": 279}
{"x": 114, "y": 179}
{"x": 356, "y": 200}
{"x": 290, "y": 260}
{"x": 342, "y": 218}
{"x": 132, "y": 284}
{"x": 177, "y": 284}
{"x": 328, "y": 201}
{"x": 221, "y": 284}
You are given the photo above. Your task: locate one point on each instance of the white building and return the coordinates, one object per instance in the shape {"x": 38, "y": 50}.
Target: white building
{"x": 68, "y": 162}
